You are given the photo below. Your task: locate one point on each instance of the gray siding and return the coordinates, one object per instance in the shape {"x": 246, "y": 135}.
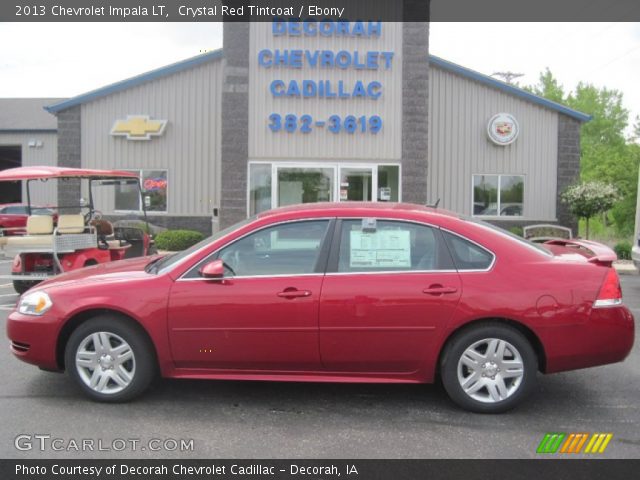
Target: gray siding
{"x": 459, "y": 110}
{"x": 189, "y": 148}
{"x": 41, "y": 193}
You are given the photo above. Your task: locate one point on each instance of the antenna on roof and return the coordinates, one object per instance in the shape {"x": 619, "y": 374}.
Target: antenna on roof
{"x": 434, "y": 205}
{"x": 508, "y": 77}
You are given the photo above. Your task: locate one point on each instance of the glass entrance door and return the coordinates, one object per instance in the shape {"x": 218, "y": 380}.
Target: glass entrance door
{"x": 303, "y": 185}
{"x": 356, "y": 184}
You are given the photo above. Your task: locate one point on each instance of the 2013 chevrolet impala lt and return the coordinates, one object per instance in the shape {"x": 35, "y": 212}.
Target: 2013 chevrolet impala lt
{"x": 347, "y": 292}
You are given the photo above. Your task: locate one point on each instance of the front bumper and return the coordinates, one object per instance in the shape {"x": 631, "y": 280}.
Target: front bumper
{"x": 33, "y": 339}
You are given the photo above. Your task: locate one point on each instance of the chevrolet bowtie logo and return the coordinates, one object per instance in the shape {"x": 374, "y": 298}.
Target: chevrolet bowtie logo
{"x": 138, "y": 127}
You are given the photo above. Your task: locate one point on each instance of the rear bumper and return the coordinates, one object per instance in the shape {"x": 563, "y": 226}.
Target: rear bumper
{"x": 33, "y": 339}
{"x": 606, "y": 338}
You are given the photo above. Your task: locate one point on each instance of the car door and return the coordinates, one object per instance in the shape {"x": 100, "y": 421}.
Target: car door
{"x": 390, "y": 287}
{"x": 264, "y": 314}
{"x": 15, "y": 217}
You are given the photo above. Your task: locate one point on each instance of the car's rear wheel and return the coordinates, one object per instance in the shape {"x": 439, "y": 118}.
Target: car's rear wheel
{"x": 111, "y": 359}
{"x": 490, "y": 368}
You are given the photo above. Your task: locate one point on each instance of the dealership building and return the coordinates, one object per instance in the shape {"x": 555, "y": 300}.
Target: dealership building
{"x": 304, "y": 112}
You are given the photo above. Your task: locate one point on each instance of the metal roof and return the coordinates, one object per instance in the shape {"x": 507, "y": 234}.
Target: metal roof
{"x": 507, "y": 88}
{"x": 27, "y": 115}
{"x": 135, "y": 81}
{"x": 217, "y": 54}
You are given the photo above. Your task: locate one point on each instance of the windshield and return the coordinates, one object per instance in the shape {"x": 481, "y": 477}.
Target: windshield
{"x": 538, "y": 247}
{"x": 163, "y": 264}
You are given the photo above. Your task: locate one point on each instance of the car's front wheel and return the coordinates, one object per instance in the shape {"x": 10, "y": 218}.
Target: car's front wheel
{"x": 110, "y": 358}
{"x": 21, "y": 286}
{"x": 490, "y": 368}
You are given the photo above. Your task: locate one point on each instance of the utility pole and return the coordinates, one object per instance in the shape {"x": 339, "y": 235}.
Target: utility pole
{"x": 507, "y": 76}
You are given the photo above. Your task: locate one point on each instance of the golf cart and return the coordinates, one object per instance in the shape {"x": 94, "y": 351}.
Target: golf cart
{"x": 81, "y": 237}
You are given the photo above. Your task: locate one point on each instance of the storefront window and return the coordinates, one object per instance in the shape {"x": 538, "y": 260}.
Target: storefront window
{"x": 355, "y": 184}
{"x": 259, "y": 187}
{"x": 304, "y": 185}
{"x": 388, "y": 183}
{"x": 273, "y": 185}
{"x": 154, "y": 192}
{"x": 498, "y": 195}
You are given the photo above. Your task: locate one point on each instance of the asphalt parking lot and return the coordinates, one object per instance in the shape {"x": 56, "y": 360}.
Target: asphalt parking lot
{"x": 295, "y": 420}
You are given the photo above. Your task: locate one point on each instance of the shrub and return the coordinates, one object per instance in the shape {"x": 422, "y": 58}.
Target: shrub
{"x": 517, "y": 231}
{"x": 623, "y": 250}
{"x": 177, "y": 239}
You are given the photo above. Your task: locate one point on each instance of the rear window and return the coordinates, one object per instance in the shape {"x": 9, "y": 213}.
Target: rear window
{"x": 535, "y": 246}
{"x": 16, "y": 210}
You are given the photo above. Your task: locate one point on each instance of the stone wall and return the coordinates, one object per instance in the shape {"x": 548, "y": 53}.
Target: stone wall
{"x": 415, "y": 111}
{"x": 568, "y": 166}
{"x": 69, "y": 155}
{"x": 235, "y": 124}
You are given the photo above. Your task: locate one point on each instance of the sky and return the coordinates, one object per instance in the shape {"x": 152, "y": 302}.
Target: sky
{"x": 67, "y": 59}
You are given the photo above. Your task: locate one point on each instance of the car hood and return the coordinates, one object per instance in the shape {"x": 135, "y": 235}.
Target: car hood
{"x": 105, "y": 272}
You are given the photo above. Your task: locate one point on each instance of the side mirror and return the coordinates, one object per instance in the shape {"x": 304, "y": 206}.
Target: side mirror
{"x": 213, "y": 270}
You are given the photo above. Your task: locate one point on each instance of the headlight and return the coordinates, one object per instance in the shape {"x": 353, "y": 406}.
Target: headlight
{"x": 36, "y": 303}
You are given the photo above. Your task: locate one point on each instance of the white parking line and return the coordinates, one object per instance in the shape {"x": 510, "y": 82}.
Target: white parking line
{"x": 2, "y": 262}
{"x": 6, "y": 285}
{"x": 8, "y": 295}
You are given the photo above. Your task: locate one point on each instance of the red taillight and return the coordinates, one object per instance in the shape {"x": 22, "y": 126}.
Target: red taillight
{"x": 610, "y": 293}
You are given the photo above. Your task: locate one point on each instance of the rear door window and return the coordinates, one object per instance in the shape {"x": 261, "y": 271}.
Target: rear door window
{"x": 370, "y": 245}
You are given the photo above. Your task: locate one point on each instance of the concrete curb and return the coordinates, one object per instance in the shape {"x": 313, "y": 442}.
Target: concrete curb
{"x": 625, "y": 267}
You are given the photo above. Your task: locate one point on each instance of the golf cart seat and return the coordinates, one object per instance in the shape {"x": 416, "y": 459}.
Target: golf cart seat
{"x": 71, "y": 223}
{"x": 39, "y": 234}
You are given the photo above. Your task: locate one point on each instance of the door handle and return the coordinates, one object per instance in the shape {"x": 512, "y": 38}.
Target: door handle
{"x": 294, "y": 293}
{"x": 439, "y": 290}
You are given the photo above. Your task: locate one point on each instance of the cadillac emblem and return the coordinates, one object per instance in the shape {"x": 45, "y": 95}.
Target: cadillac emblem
{"x": 503, "y": 129}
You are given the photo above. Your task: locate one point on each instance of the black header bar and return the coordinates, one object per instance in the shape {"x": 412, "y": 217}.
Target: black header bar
{"x": 318, "y": 10}
{"x": 319, "y": 469}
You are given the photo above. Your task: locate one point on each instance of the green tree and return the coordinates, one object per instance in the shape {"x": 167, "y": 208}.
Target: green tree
{"x": 606, "y": 155}
{"x": 548, "y": 87}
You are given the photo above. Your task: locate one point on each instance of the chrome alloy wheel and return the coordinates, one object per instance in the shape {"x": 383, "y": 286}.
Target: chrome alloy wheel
{"x": 105, "y": 362}
{"x": 490, "y": 370}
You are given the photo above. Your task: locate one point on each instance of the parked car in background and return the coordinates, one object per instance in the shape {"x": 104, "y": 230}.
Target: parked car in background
{"x": 340, "y": 292}
{"x": 13, "y": 217}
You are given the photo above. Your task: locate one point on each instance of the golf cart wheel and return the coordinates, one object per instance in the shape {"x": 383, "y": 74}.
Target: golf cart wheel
{"x": 22, "y": 286}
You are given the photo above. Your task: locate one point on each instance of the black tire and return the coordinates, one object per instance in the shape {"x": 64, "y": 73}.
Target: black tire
{"x": 21, "y": 286}
{"x": 517, "y": 389}
{"x": 144, "y": 360}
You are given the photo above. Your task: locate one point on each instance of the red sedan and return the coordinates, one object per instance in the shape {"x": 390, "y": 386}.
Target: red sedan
{"x": 349, "y": 292}
{"x": 13, "y": 217}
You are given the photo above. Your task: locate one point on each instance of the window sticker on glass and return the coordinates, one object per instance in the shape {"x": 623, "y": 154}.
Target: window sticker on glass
{"x": 382, "y": 248}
